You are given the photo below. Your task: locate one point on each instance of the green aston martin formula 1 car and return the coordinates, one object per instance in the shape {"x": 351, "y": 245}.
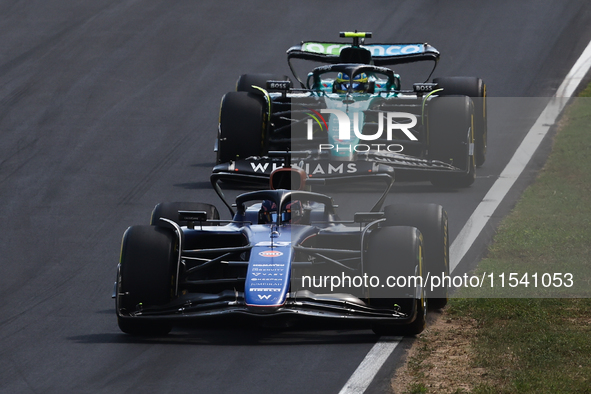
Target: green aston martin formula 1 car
{"x": 351, "y": 116}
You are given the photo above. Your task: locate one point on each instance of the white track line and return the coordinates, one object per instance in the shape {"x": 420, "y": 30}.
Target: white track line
{"x": 379, "y": 353}
{"x": 370, "y": 365}
{"x": 520, "y": 159}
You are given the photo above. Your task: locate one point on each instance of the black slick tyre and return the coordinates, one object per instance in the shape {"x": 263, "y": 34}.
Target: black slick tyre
{"x": 241, "y": 127}
{"x": 431, "y": 220}
{"x": 475, "y": 88}
{"x": 451, "y": 139}
{"x": 145, "y": 278}
{"x": 396, "y": 251}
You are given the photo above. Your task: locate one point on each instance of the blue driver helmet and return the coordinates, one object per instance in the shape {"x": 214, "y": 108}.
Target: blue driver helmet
{"x": 292, "y": 213}
{"x": 360, "y": 83}
{"x": 268, "y": 212}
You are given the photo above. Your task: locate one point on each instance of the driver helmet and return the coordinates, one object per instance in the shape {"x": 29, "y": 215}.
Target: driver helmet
{"x": 293, "y": 212}
{"x": 268, "y": 209}
{"x": 360, "y": 83}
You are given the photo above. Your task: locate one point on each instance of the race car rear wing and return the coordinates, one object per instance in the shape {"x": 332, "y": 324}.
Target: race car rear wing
{"x": 381, "y": 54}
{"x": 358, "y": 52}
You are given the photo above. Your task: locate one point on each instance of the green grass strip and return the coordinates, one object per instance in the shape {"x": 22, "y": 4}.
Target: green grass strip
{"x": 541, "y": 345}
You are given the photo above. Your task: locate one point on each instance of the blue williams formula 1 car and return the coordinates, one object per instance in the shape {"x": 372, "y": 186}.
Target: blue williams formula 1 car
{"x": 352, "y": 116}
{"x": 285, "y": 255}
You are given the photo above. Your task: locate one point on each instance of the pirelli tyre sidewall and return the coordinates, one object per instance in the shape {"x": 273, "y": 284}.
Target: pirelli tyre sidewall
{"x": 431, "y": 220}
{"x": 396, "y": 251}
{"x": 450, "y": 139}
{"x": 475, "y": 88}
{"x": 241, "y": 127}
{"x": 145, "y": 277}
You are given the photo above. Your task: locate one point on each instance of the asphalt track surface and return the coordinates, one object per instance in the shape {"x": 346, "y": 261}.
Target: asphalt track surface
{"x": 108, "y": 107}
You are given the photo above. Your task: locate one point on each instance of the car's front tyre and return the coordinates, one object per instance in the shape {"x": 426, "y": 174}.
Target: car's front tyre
{"x": 431, "y": 220}
{"x": 145, "y": 278}
{"x": 241, "y": 126}
{"x": 396, "y": 252}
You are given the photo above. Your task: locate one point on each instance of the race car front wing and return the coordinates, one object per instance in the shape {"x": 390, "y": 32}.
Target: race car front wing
{"x": 302, "y": 303}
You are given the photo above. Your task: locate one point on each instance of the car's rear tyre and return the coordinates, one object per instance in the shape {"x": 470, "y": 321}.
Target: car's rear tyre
{"x": 170, "y": 211}
{"x": 431, "y": 220}
{"x": 246, "y": 82}
{"x": 475, "y": 88}
{"x": 241, "y": 126}
{"x": 450, "y": 140}
{"x": 146, "y": 277}
{"x": 398, "y": 252}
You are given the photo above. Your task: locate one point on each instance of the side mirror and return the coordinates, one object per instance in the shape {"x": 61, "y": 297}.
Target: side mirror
{"x": 193, "y": 216}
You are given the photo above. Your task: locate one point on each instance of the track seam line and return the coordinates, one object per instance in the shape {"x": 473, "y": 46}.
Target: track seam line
{"x": 379, "y": 353}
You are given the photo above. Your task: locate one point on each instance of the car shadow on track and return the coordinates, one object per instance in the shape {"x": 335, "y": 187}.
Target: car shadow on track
{"x": 233, "y": 333}
{"x": 241, "y": 333}
{"x": 235, "y": 337}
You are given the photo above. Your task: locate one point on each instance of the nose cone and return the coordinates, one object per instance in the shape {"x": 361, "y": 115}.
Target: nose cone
{"x": 267, "y": 280}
